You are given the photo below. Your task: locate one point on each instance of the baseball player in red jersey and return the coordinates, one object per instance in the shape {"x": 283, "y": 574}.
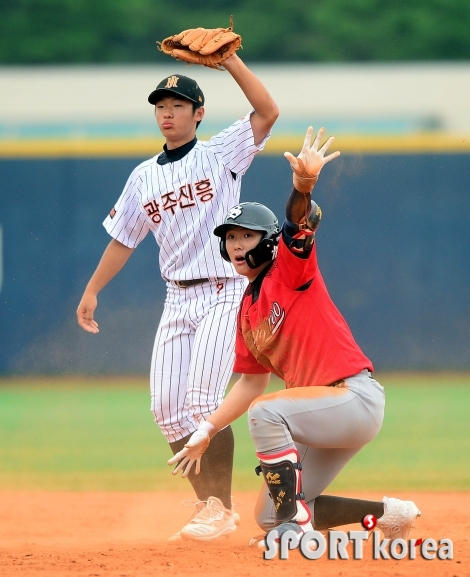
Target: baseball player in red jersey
{"x": 179, "y": 196}
{"x": 288, "y": 325}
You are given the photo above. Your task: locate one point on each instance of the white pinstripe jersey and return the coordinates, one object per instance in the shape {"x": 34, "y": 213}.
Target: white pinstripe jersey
{"x": 181, "y": 203}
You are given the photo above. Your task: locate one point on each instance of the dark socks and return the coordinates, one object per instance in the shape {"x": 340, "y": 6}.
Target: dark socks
{"x": 215, "y": 478}
{"x": 330, "y": 511}
{"x": 199, "y": 482}
{"x": 219, "y": 460}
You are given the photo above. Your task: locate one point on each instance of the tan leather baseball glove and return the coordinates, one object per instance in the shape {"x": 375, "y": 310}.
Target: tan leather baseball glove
{"x": 209, "y": 47}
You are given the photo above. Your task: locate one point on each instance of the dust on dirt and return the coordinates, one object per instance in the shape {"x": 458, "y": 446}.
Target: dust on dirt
{"x": 125, "y": 535}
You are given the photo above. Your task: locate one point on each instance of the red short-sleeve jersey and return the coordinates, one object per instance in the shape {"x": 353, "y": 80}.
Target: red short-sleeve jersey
{"x": 299, "y": 335}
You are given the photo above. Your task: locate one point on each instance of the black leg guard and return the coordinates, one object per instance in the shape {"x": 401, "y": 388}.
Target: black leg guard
{"x": 282, "y": 475}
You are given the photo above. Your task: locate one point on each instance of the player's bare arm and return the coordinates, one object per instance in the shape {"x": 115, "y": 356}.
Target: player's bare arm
{"x": 236, "y": 403}
{"x": 266, "y": 110}
{"x": 114, "y": 258}
{"x": 217, "y": 49}
{"x": 240, "y": 397}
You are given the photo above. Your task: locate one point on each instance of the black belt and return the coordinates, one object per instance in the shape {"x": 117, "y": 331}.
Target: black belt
{"x": 340, "y": 384}
{"x": 187, "y": 283}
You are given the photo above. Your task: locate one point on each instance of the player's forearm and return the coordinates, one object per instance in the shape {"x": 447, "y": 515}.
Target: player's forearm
{"x": 297, "y": 206}
{"x": 238, "y": 400}
{"x": 254, "y": 90}
{"x": 114, "y": 258}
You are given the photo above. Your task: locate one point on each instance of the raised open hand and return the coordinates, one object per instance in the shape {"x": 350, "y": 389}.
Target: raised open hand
{"x": 311, "y": 159}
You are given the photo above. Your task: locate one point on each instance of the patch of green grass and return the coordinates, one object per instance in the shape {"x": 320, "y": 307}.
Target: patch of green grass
{"x": 424, "y": 442}
{"x": 99, "y": 434}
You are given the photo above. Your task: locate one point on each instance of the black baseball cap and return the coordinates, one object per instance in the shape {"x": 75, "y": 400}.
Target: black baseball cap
{"x": 180, "y": 85}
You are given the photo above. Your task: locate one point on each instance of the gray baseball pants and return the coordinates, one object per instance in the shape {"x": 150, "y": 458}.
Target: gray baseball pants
{"x": 327, "y": 426}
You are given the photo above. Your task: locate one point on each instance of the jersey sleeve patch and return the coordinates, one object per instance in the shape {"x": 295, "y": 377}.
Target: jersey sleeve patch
{"x": 112, "y": 212}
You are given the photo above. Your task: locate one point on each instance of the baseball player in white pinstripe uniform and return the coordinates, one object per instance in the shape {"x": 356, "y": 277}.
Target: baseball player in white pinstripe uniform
{"x": 179, "y": 196}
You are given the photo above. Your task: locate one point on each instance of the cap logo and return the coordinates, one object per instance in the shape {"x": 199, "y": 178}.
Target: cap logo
{"x": 234, "y": 212}
{"x": 200, "y": 99}
{"x": 172, "y": 82}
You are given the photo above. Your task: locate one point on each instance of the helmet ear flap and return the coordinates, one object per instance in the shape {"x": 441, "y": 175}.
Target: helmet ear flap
{"x": 263, "y": 252}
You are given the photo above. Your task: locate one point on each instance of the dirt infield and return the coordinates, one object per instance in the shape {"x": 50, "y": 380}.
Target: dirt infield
{"x": 124, "y": 535}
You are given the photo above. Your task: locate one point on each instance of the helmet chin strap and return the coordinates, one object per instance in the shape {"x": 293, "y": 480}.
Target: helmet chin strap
{"x": 263, "y": 252}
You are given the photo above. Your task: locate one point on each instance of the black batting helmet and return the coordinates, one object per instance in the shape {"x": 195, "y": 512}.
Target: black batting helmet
{"x": 253, "y": 216}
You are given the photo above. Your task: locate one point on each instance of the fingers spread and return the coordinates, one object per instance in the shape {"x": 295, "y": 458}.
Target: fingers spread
{"x": 188, "y": 468}
{"x": 292, "y": 159}
{"x": 308, "y": 137}
{"x": 310, "y": 161}
{"x": 180, "y": 465}
{"x": 318, "y": 138}
{"x": 332, "y": 156}
{"x": 177, "y": 456}
{"x": 327, "y": 144}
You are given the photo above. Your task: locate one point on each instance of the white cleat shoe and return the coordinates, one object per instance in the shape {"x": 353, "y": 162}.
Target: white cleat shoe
{"x": 398, "y": 519}
{"x": 199, "y": 506}
{"x": 213, "y": 521}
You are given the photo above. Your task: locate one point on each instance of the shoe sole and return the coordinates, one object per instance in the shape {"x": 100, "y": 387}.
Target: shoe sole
{"x": 225, "y": 533}
{"x": 178, "y": 537}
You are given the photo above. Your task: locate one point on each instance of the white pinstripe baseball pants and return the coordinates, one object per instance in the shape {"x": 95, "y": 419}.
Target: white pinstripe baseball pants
{"x": 193, "y": 354}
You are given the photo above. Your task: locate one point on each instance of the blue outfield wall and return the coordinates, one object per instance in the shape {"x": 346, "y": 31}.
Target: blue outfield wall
{"x": 393, "y": 246}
